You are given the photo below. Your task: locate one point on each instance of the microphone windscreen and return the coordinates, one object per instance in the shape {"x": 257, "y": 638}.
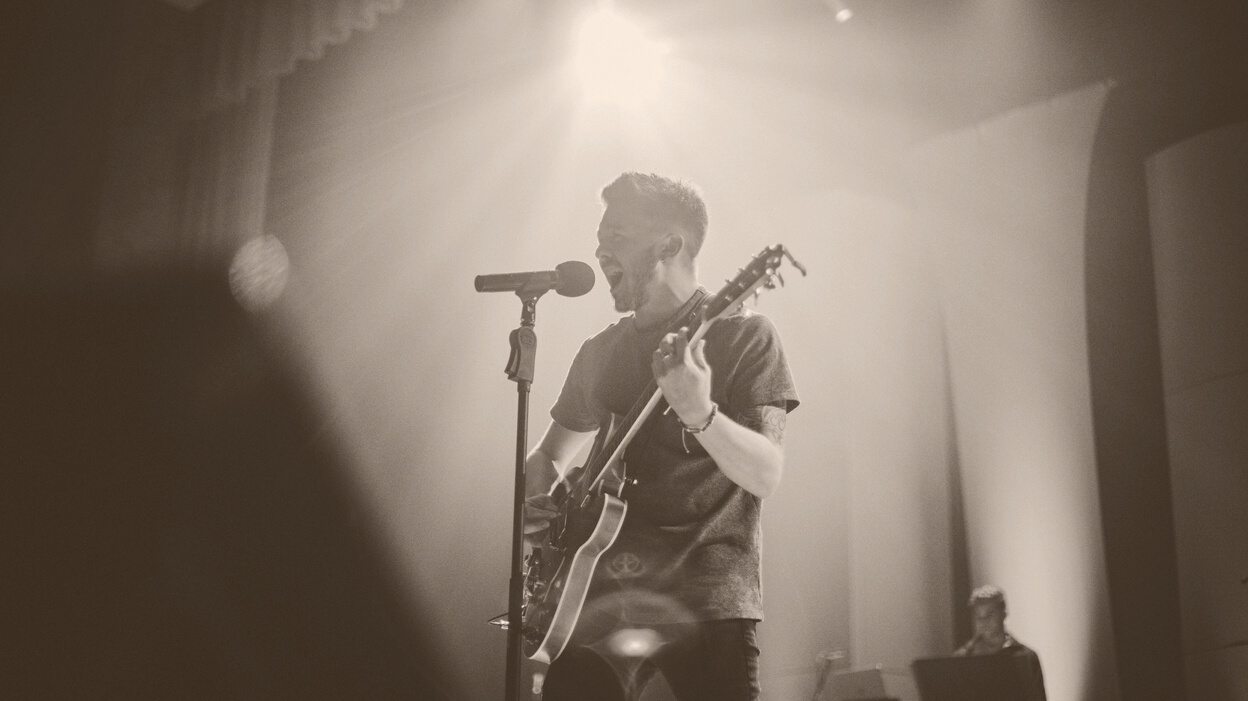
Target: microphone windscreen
{"x": 575, "y": 278}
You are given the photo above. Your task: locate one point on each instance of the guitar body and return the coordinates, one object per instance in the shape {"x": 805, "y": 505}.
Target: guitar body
{"x": 559, "y": 583}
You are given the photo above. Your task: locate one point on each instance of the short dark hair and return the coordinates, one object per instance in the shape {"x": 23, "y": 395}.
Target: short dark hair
{"x": 987, "y": 594}
{"x": 671, "y": 200}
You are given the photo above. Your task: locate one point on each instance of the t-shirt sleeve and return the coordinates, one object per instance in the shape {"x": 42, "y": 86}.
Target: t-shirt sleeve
{"x": 760, "y": 372}
{"x": 574, "y": 408}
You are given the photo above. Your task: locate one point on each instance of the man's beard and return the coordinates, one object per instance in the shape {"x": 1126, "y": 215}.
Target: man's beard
{"x": 637, "y": 280}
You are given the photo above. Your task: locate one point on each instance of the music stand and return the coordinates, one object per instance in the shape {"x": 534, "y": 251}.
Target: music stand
{"x": 974, "y": 678}
{"x": 855, "y": 685}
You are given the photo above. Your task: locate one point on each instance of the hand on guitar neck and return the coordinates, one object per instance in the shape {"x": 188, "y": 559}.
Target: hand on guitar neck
{"x": 681, "y": 371}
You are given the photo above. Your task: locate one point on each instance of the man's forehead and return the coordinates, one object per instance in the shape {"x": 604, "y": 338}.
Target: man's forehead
{"x": 631, "y": 221}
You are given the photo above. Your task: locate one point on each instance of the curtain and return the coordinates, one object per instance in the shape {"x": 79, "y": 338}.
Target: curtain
{"x": 245, "y": 44}
{"x": 1002, "y": 206}
{"x": 189, "y": 157}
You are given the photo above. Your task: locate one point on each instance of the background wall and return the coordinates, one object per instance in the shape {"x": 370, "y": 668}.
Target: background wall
{"x": 1199, "y": 221}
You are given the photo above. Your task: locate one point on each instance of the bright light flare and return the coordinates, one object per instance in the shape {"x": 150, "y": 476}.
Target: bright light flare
{"x": 616, "y": 61}
{"x": 635, "y": 642}
{"x": 843, "y": 13}
{"x": 259, "y": 272}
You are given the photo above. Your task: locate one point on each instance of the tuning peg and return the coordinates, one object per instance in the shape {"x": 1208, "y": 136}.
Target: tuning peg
{"x": 785, "y": 252}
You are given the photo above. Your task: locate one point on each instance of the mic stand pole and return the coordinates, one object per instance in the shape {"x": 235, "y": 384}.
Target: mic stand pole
{"x": 520, "y": 371}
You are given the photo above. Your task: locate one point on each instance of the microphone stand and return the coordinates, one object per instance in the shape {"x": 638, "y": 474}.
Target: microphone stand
{"x": 519, "y": 370}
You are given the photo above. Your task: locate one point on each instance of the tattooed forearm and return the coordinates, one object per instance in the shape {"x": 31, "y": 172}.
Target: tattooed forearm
{"x": 767, "y": 420}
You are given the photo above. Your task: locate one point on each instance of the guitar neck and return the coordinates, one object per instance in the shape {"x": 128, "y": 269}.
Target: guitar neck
{"x": 647, "y": 401}
{"x": 615, "y": 445}
{"x": 760, "y": 274}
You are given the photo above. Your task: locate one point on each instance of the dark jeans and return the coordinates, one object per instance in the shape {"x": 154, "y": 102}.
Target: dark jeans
{"x": 712, "y": 661}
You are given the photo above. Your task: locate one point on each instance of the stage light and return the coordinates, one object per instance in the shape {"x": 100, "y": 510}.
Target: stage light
{"x": 843, "y": 13}
{"x": 615, "y": 61}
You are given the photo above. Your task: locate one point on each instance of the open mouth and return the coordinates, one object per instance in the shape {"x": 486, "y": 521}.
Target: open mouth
{"x": 615, "y": 277}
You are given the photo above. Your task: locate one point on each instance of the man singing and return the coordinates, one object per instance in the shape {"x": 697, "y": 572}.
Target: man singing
{"x": 685, "y": 566}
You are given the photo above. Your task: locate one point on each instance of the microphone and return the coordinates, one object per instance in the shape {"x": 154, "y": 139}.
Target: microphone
{"x": 570, "y": 279}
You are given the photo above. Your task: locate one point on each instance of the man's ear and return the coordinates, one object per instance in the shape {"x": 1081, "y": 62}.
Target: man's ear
{"x": 672, "y": 245}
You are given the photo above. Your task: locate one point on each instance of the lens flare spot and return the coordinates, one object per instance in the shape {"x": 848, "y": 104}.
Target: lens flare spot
{"x": 635, "y": 642}
{"x": 259, "y": 272}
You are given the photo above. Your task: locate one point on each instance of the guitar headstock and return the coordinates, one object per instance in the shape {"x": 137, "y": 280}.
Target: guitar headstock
{"x": 761, "y": 273}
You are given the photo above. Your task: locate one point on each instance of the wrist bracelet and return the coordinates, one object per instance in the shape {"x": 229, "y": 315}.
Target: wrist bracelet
{"x": 703, "y": 427}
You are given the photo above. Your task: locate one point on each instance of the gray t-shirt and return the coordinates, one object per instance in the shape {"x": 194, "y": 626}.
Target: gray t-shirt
{"x": 689, "y": 546}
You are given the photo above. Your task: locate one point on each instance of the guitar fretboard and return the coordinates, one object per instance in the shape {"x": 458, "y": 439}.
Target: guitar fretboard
{"x": 602, "y": 457}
